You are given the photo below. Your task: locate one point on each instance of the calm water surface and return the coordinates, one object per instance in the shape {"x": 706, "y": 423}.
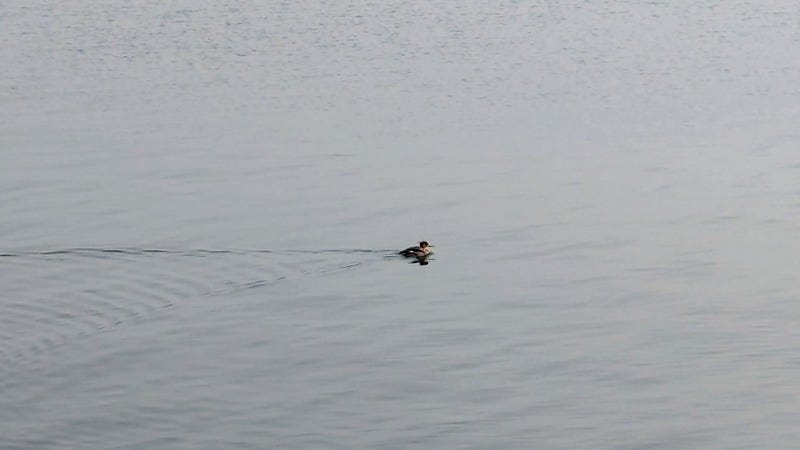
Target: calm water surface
{"x": 199, "y": 206}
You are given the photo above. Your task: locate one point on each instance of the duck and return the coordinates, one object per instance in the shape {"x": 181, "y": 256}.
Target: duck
{"x": 421, "y": 251}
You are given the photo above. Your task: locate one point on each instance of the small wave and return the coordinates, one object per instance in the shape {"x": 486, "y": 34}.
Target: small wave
{"x": 193, "y": 252}
{"x": 54, "y": 296}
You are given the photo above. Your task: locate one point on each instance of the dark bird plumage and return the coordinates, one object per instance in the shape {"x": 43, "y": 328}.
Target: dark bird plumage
{"x": 421, "y": 251}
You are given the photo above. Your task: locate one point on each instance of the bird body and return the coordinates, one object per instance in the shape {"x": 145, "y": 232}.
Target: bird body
{"x": 421, "y": 251}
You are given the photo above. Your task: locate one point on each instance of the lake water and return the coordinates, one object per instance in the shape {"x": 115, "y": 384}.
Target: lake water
{"x": 200, "y": 204}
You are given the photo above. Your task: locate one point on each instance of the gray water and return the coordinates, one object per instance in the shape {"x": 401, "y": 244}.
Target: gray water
{"x": 200, "y": 202}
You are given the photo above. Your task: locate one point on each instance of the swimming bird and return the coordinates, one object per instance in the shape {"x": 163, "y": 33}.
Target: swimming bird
{"x": 421, "y": 251}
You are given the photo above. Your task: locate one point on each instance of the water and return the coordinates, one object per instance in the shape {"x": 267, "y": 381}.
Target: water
{"x": 199, "y": 206}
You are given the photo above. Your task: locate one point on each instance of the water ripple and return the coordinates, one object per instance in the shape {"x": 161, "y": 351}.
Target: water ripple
{"x": 55, "y": 296}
